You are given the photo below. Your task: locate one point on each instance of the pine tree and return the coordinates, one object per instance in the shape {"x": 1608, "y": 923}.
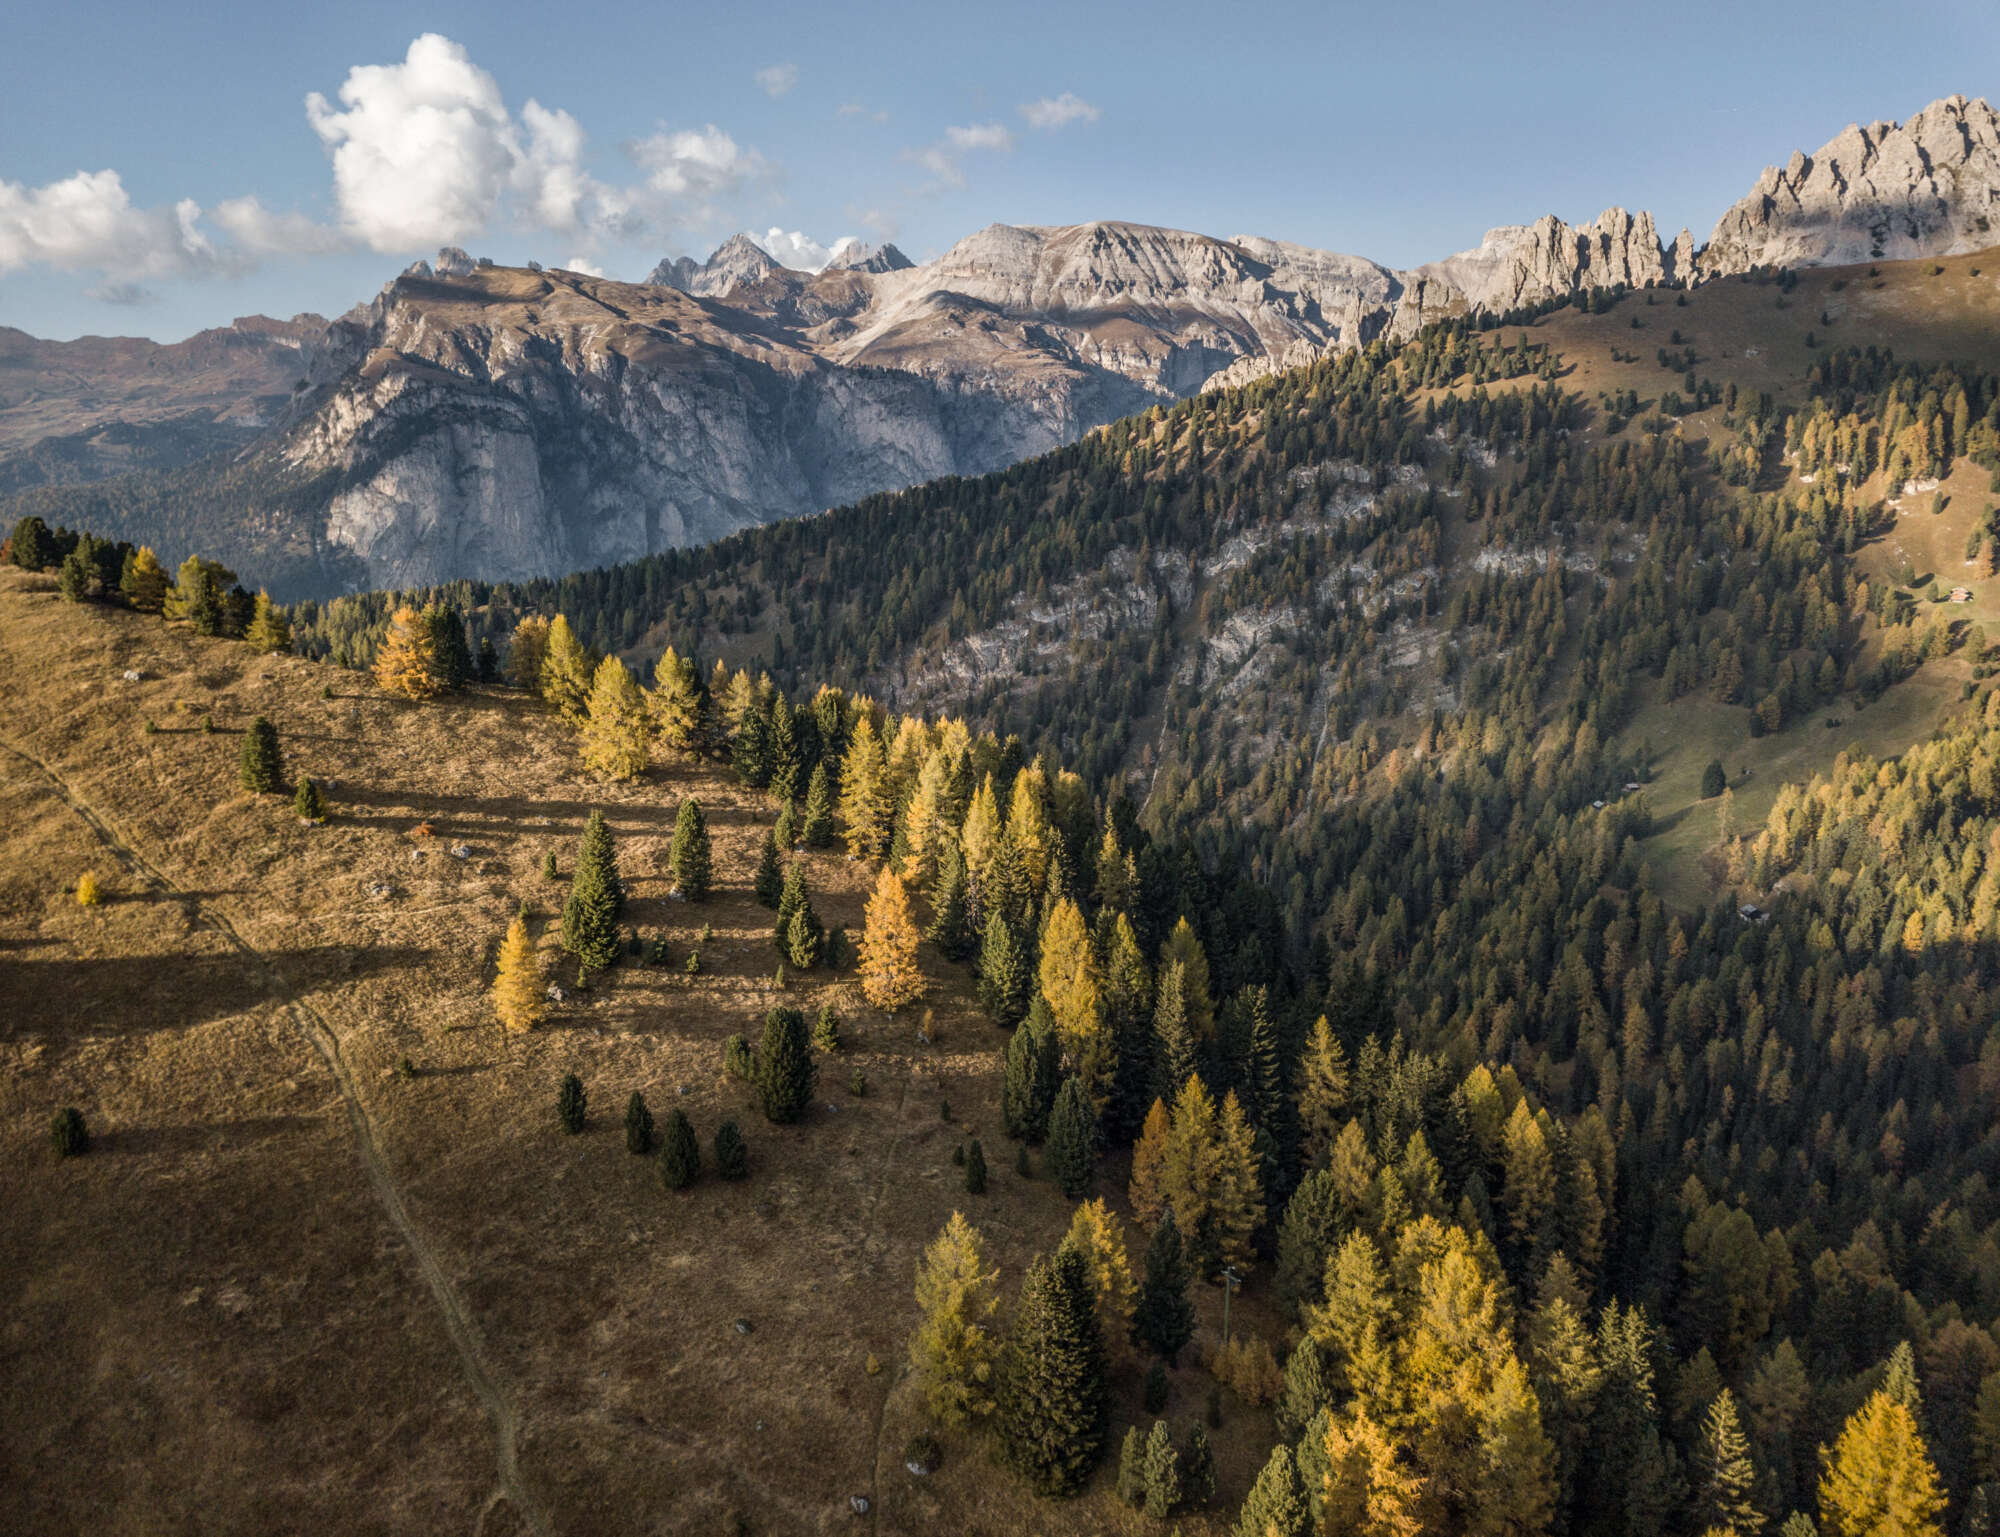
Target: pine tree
{"x": 1132, "y": 1467}
{"x": 1713, "y": 780}
{"x": 260, "y": 766}
{"x": 1276, "y": 1505}
{"x": 590, "y": 915}
{"x": 488, "y": 666}
{"x": 403, "y": 661}
{"x": 270, "y": 631}
{"x": 1322, "y": 1094}
{"x": 1003, "y": 972}
{"x": 517, "y": 984}
{"x": 1724, "y": 1474}
{"x": 1173, "y": 1051}
{"x": 786, "y": 1072}
{"x": 781, "y": 752}
{"x": 826, "y": 1031}
{"x": 614, "y": 735}
{"x": 954, "y": 1349}
{"x": 308, "y": 802}
{"x": 75, "y": 575}
{"x": 144, "y": 581}
{"x": 948, "y": 928}
{"x": 792, "y": 896}
{"x": 1029, "y": 1084}
{"x": 865, "y": 803}
{"x": 1072, "y": 1139}
{"x": 1306, "y": 1239}
{"x": 1239, "y": 1191}
{"x": 570, "y": 1104}
{"x": 805, "y": 940}
{"x": 680, "y": 1153}
{"x": 689, "y": 857}
{"x": 785, "y": 829}
{"x": 889, "y": 974}
{"x": 1054, "y": 1400}
{"x": 1163, "y": 1318}
{"x": 1879, "y": 1479}
{"x": 770, "y": 879}
{"x": 1197, "y": 1468}
{"x": 450, "y": 657}
{"x": 1183, "y": 948}
{"x": 565, "y": 678}
{"x": 1162, "y": 1473}
{"x": 68, "y": 1134}
{"x": 816, "y": 825}
{"x": 638, "y": 1125}
{"x": 732, "y": 1156}
{"x": 1308, "y": 1388}
{"x": 975, "y": 1169}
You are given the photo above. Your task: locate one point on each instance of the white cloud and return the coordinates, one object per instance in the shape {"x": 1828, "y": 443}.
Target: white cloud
{"x": 585, "y": 265}
{"x": 423, "y": 150}
{"x": 256, "y": 231}
{"x": 942, "y": 158}
{"x": 87, "y": 222}
{"x": 774, "y": 80}
{"x": 855, "y": 109}
{"x": 1053, "y": 112}
{"x": 796, "y": 249}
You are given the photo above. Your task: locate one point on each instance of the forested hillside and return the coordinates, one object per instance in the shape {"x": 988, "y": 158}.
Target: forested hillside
{"x": 1410, "y": 801}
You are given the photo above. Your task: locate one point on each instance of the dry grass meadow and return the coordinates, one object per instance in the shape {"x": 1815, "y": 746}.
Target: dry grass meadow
{"x": 291, "y": 1289}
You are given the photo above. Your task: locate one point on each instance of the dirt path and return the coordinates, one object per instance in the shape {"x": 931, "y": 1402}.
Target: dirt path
{"x": 493, "y": 1394}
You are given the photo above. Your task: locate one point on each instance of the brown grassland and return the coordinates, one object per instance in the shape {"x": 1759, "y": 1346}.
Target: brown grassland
{"x": 291, "y": 1288}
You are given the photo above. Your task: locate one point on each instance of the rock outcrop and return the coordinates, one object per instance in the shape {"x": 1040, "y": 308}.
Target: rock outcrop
{"x": 1926, "y": 187}
{"x": 1528, "y": 264}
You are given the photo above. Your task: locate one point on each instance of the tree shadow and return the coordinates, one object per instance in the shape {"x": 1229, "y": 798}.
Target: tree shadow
{"x": 202, "y": 1137}
{"x": 473, "y": 816}
{"x": 131, "y": 995}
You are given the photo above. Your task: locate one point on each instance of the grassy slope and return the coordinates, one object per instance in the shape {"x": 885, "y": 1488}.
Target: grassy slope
{"x": 210, "y": 1323}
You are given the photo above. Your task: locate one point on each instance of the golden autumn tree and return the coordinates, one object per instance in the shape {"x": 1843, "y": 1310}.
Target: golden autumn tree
{"x": 954, "y": 1347}
{"x": 517, "y": 986}
{"x": 1190, "y": 1170}
{"x": 614, "y": 736}
{"x": 1368, "y": 1492}
{"x": 1879, "y": 1480}
{"x": 1182, "y": 946}
{"x": 865, "y": 805}
{"x": 1149, "y": 1156}
{"x": 1322, "y": 1093}
{"x": 526, "y": 651}
{"x": 144, "y": 582}
{"x": 566, "y": 673}
{"x": 1028, "y": 824}
{"x": 979, "y": 835}
{"x": 890, "y": 977}
{"x": 404, "y": 661}
{"x": 1239, "y": 1188}
{"x": 1068, "y": 978}
{"x": 1100, "y": 1238}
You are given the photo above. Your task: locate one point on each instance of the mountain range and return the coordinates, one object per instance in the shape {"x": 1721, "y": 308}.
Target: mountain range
{"x": 496, "y": 422}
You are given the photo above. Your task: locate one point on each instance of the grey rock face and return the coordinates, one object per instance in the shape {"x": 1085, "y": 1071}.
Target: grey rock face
{"x": 1926, "y": 187}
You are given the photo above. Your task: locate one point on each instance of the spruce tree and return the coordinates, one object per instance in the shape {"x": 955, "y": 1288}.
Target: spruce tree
{"x": 791, "y": 897}
{"x": 590, "y": 915}
{"x": 689, "y": 856}
{"x": 1132, "y": 1467}
{"x": 308, "y": 802}
{"x": 31, "y": 546}
{"x": 948, "y": 928}
{"x": 68, "y": 1134}
{"x": 680, "y": 1153}
{"x": 488, "y": 663}
{"x": 1054, "y": 1399}
{"x": 1197, "y": 1468}
{"x": 1174, "y": 1060}
{"x": 805, "y": 940}
{"x": 785, "y": 830}
{"x": 826, "y": 1031}
{"x": 450, "y": 656}
{"x": 1714, "y": 780}
{"x": 74, "y": 577}
{"x": 816, "y": 824}
{"x": 1072, "y": 1139}
{"x": 786, "y": 1072}
{"x": 781, "y": 753}
{"x": 1724, "y": 1474}
{"x": 751, "y": 753}
{"x": 1028, "y": 1089}
{"x": 1163, "y": 1473}
{"x": 1277, "y": 1504}
{"x": 1308, "y": 1388}
{"x": 638, "y": 1125}
{"x": 732, "y": 1156}
{"x": 1003, "y": 972}
{"x": 570, "y": 1103}
{"x": 975, "y": 1169}
{"x": 770, "y": 879}
{"x": 260, "y": 766}
{"x": 1310, "y": 1232}
{"x": 1163, "y": 1319}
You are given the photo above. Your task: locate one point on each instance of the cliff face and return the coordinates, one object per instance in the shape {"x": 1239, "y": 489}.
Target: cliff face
{"x": 1926, "y": 187}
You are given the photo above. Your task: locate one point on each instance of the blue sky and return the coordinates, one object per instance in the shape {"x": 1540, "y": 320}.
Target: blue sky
{"x": 163, "y": 172}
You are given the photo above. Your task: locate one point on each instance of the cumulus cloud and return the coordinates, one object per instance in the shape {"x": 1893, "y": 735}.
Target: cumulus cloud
{"x": 1053, "y": 112}
{"x": 87, "y": 221}
{"x": 774, "y": 80}
{"x": 942, "y": 159}
{"x": 795, "y": 248}
{"x": 256, "y": 231}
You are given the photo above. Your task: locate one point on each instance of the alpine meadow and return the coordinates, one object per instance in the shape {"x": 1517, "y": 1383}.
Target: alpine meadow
{"x": 1094, "y": 880}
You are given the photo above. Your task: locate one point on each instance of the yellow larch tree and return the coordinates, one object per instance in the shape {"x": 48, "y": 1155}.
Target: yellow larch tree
{"x": 1149, "y": 1156}
{"x": 954, "y": 1348}
{"x": 526, "y": 652}
{"x": 924, "y": 826}
{"x": 517, "y": 985}
{"x": 1181, "y": 945}
{"x": 890, "y": 977}
{"x": 566, "y": 673}
{"x": 1239, "y": 1188}
{"x": 404, "y": 660}
{"x": 1068, "y": 978}
{"x": 614, "y": 737}
{"x": 1028, "y": 824}
{"x": 674, "y": 704}
{"x": 980, "y": 834}
{"x": 1100, "y": 1238}
{"x": 1879, "y": 1479}
{"x": 1190, "y": 1172}
{"x": 1322, "y": 1093}
{"x": 865, "y": 805}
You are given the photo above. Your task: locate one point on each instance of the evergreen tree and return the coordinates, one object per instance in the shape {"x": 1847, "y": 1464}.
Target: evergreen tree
{"x": 1713, "y": 780}
{"x": 689, "y": 857}
{"x": 732, "y": 1157}
{"x": 826, "y": 1031}
{"x": 948, "y": 928}
{"x": 770, "y": 879}
{"x": 144, "y": 582}
{"x": 1054, "y": 1400}
{"x": 260, "y": 766}
{"x": 1031, "y": 1079}
{"x": 1879, "y": 1480}
{"x": 517, "y": 984}
{"x": 1238, "y": 1201}
{"x": 1277, "y": 1505}
{"x": 450, "y": 656}
{"x": 1310, "y": 1232}
{"x": 1197, "y": 1468}
{"x": 1724, "y": 1474}
{"x": 403, "y": 661}
{"x": 527, "y": 649}
{"x": 805, "y": 940}
{"x": 307, "y": 801}
{"x": 781, "y": 753}
{"x": 68, "y": 1134}
{"x": 31, "y": 546}
{"x": 1174, "y": 1060}
{"x": 570, "y": 1103}
{"x": 975, "y": 1169}
{"x": 816, "y": 825}
{"x": 785, "y": 829}
{"x": 566, "y": 673}
{"x": 1003, "y": 972}
{"x": 1100, "y": 1238}
{"x": 590, "y": 915}
{"x": 954, "y": 1349}
{"x": 270, "y": 631}
{"x": 1132, "y": 1467}
{"x": 1308, "y": 1388}
{"x": 488, "y": 666}
{"x": 786, "y": 1072}
{"x": 1072, "y": 1139}
{"x": 638, "y": 1125}
{"x": 1321, "y": 1094}
{"x": 1163, "y": 1318}
{"x": 889, "y": 974}
{"x": 680, "y": 1153}
{"x": 1067, "y": 975}
{"x": 614, "y": 734}
{"x": 75, "y": 575}
{"x": 1163, "y": 1473}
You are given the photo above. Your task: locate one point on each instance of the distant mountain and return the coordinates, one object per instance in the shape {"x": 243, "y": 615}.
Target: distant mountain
{"x": 505, "y": 422}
